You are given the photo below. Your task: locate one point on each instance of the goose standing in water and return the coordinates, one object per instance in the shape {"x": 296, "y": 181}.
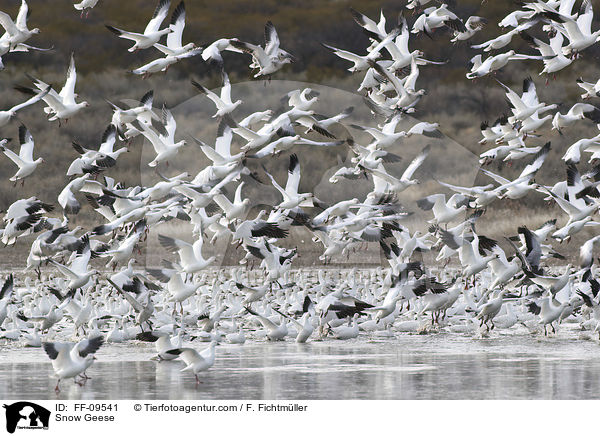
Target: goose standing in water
{"x": 70, "y": 360}
{"x": 196, "y": 362}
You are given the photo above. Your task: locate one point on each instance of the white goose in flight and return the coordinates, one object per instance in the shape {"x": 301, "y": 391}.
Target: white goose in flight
{"x": 236, "y": 210}
{"x": 223, "y": 102}
{"x": 401, "y": 184}
{"x": 83, "y": 5}
{"x": 17, "y": 30}
{"x": 7, "y": 115}
{"x": 269, "y": 59}
{"x": 191, "y": 259}
{"x": 24, "y": 160}
{"x": 151, "y": 34}
{"x": 164, "y": 143}
{"x": 578, "y": 30}
{"x": 78, "y": 272}
{"x": 174, "y": 45}
{"x": 61, "y": 106}
{"x": 291, "y": 197}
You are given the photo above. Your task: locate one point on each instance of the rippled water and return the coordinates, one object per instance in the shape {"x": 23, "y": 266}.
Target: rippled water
{"x": 442, "y": 366}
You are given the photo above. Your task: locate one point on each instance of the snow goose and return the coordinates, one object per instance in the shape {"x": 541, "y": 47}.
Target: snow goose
{"x": 361, "y": 63}
{"x": 591, "y": 89}
{"x": 67, "y": 199}
{"x": 163, "y": 142}
{"x": 72, "y": 359}
{"x": 577, "y": 209}
{"x": 473, "y": 25}
{"x": 221, "y": 153}
{"x": 483, "y": 195}
{"x": 528, "y": 104}
{"x": 163, "y": 344}
{"x": 257, "y": 228}
{"x": 408, "y": 97}
{"x": 236, "y": 210}
{"x": 349, "y": 331}
{"x": 513, "y": 18}
{"x": 553, "y": 57}
{"x": 291, "y": 197}
{"x": 237, "y": 336}
{"x": 548, "y": 312}
{"x": 504, "y": 39}
{"x": 304, "y": 326}
{"x": 275, "y": 332}
{"x": 174, "y": 45}
{"x": 77, "y": 273}
{"x": 573, "y": 153}
{"x": 481, "y": 68}
{"x": 196, "y": 362}
{"x": 269, "y": 59}
{"x": 578, "y": 111}
{"x": 24, "y": 160}
{"x": 586, "y": 256}
{"x": 7, "y": 115}
{"x": 61, "y": 106}
{"x": 163, "y": 64}
{"x": 151, "y": 34}
{"x": 122, "y": 118}
{"x": 212, "y": 52}
{"x": 566, "y": 232}
{"x": 443, "y": 212}
{"x": 144, "y": 311}
{"x": 488, "y": 311}
{"x": 104, "y": 157}
{"x": 399, "y": 185}
{"x": 578, "y": 31}
{"x": 191, "y": 259}
{"x": 503, "y": 270}
{"x": 472, "y": 255}
{"x": 387, "y": 136}
{"x": 523, "y": 184}
{"x": 17, "y": 30}
{"x": 491, "y": 134}
{"x": 5, "y": 297}
{"x": 83, "y": 5}
{"x": 223, "y": 102}
{"x": 416, "y": 4}
{"x": 123, "y": 251}
{"x": 433, "y": 17}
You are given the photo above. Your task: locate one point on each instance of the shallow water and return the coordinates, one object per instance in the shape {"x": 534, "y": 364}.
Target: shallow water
{"x": 441, "y": 366}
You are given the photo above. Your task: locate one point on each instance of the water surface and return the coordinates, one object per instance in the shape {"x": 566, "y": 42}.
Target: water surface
{"x": 441, "y": 366}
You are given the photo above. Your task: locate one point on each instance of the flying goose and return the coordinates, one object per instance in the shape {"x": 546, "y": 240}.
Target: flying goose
{"x": 174, "y": 45}
{"x": 398, "y": 185}
{"x": 24, "y": 160}
{"x": 83, "y": 5}
{"x": 151, "y": 34}
{"x": 17, "y": 30}
{"x": 61, "y": 106}
{"x": 191, "y": 259}
{"x": 269, "y": 59}
{"x": 7, "y": 115}
{"x": 223, "y": 102}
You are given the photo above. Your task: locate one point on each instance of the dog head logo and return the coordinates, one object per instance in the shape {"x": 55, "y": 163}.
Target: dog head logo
{"x": 26, "y": 415}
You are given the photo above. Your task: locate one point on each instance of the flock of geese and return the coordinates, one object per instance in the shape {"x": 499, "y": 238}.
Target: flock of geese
{"x": 61, "y": 296}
